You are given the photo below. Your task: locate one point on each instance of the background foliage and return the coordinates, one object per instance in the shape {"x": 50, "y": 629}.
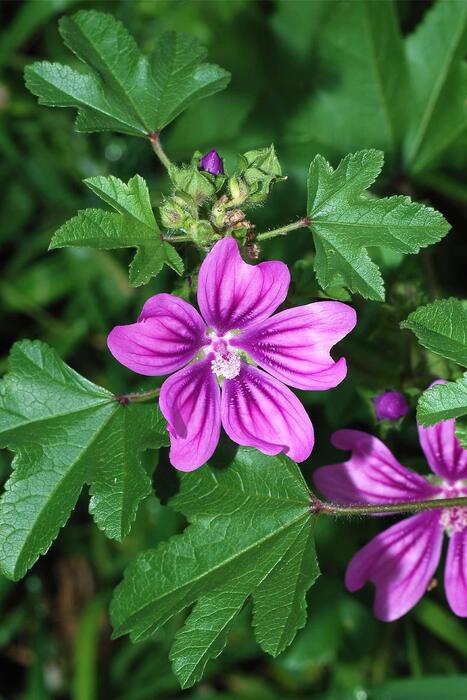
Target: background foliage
{"x": 312, "y": 77}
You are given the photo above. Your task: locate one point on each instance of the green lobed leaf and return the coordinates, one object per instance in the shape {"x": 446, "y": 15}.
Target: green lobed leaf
{"x": 134, "y": 226}
{"x": 118, "y": 88}
{"x": 437, "y": 69}
{"x": 66, "y": 432}
{"x": 443, "y": 401}
{"x": 250, "y": 534}
{"x": 441, "y": 327}
{"x": 345, "y": 222}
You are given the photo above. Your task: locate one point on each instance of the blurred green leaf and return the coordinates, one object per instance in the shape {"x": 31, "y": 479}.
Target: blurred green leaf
{"x": 443, "y": 624}
{"x": 358, "y": 99}
{"x": 428, "y": 688}
{"x": 438, "y": 83}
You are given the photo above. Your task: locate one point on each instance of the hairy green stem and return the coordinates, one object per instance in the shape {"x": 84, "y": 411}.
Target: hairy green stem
{"x": 158, "y": 150}
{"x": 176, "y": 239}
{"x": 125, "y": 399}
{"x": 283, "y": 230}
{"x": 318, "y": 506}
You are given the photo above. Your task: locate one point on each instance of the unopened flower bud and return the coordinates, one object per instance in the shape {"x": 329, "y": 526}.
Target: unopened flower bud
{"x": 211, "y": 162}
{"x": 239, "y": 190}
{"x": 390, "y": 405}
{"x": 202, "y": 232}
{"x": 172, "y": 214}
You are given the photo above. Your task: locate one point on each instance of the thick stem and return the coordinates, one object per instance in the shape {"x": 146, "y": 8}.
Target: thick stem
{"x": 283, "y": 230}
{"x": 318, "y": 506}
{"x": 158, "y": 150}
{"x": 125, "y": 399}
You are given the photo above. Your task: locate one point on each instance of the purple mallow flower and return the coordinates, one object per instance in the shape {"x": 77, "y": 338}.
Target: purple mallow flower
{"x": 402, "y": 560}
{"x": 391, "y": 405}
{"x": 230, "y": 345}
{"x": 212, "y": 163}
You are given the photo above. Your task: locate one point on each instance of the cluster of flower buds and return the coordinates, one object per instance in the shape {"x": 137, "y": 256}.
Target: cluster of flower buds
{"x": 206, "y": 204}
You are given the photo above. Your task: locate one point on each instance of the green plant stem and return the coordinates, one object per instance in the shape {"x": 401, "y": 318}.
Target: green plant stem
{"x": 177, "y": 239}
{"x": 283, "y": 230}
{"x": 125, "y": 399}
{"x": 318, "y": 506}
{"x": 158, "y": 150}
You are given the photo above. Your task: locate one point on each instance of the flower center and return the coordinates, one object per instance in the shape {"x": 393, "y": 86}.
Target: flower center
{"x": 227, "y": 361}
{"x": 454, "y": 520}
{"x": 226, "y": 364}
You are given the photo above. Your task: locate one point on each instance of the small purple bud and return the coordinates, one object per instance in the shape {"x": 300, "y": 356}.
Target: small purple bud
{"x": 390, "y": 405}
{"x": 212, "y": 163}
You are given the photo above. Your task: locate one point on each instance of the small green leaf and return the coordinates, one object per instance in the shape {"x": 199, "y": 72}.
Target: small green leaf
{"x": 443, "y": 401}
{"x": 134, "y": 226}
{"x": 120, "y": 89}
{"x": 250, "y": 534}
{"x": 344, "y": 222}
{"x": 66, "y": 432}
{"x": 441, "y": 327}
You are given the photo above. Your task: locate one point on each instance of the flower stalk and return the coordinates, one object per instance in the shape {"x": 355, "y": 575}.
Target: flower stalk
{"x": 125, "y": 399}
{"x": 284, "y": 230}
{"x": 358, "y": 509}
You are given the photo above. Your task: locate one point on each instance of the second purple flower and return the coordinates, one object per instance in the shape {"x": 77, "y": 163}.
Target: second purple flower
{"x": 230, "y": 345}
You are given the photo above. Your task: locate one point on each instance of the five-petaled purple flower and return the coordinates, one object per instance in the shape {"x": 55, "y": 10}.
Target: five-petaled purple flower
{"x": 234, "y": 333}
{"x": 402, "y": 560}
{"x": 391, "y": 405}
{"x": 211, "y": 162}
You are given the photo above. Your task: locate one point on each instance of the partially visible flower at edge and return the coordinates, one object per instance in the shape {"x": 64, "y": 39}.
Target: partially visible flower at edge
{"x": 211, "y": 162}
{"x": 230, "y": 344}
{"x": 402, "y": 560}
{"x": 390, "y": 405}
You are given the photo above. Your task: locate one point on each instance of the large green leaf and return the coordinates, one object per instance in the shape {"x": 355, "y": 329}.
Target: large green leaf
{"x": 134, "y": 226}
{"x": 442, "y": 328}
{"x": 250, "y": 534}
{"x": 345, "y": 222}
{"x": 359, "y": 98}
{"x": 437, "y": 112}
{"x": 119, "y": 88}
{"x": 66, "y": 432}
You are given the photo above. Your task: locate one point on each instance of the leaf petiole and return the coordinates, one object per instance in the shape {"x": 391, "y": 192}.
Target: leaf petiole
{"x": 158, "y": 150}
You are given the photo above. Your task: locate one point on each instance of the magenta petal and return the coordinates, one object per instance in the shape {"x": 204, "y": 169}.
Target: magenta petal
{"x": 294, "y": 345}
{"x": 167, "y": 335}
{"x": 455, "y": 574}
{"x": 400, "y": 562}
{"x": 233, "y": 294}
{"x": 443, "y": 451}
{"x": 371, "y": 475}
{"x": 259, "y": 411}
{"x": 190, "y": 402}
